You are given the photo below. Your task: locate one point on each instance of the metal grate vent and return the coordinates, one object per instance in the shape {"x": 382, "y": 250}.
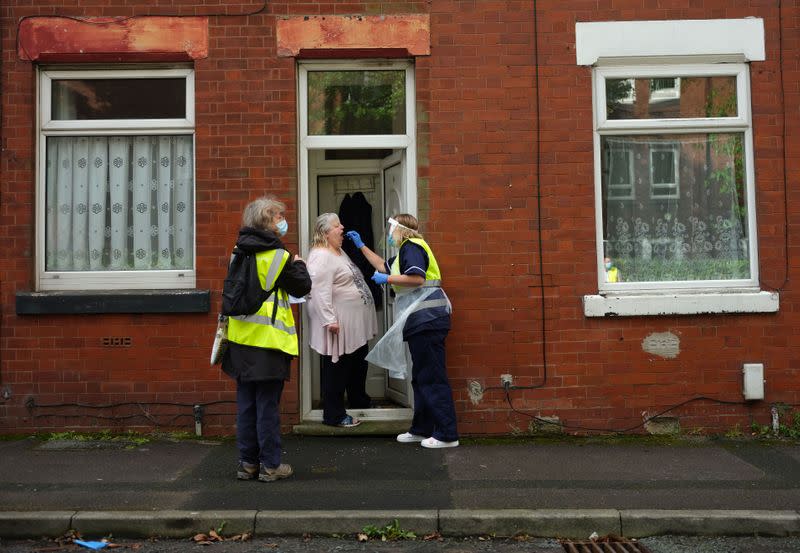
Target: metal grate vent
{"x": 116, "y": 341}
{"x": 604, "y": 545}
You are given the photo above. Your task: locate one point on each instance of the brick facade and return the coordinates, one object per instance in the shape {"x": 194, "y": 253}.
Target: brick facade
{"x": 478, "y": 185}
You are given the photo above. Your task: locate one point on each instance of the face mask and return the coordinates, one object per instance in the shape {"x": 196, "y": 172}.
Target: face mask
{"x": 283, "y": 226}
{"x": 391, "y": 242}
{"x": 608, "y": 266}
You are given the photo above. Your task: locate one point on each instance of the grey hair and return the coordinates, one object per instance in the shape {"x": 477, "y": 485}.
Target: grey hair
{"x": 322, "y": 226}
{"x": 260, "y": 213}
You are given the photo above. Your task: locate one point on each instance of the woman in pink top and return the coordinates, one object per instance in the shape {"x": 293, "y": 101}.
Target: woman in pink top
{"x": 342, "y": 319}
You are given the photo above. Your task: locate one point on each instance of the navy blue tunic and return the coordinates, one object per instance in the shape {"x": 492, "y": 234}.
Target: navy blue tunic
{"x": 414, "y": 261}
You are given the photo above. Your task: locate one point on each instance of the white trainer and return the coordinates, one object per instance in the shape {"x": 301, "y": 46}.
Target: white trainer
{"x": 409, "y": 438}
{"x": 433, "y": 443}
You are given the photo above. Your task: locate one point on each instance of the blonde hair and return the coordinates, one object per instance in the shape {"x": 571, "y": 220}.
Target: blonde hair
{"x": 322, "y": 226}
{"x": 261, "y": 212}
{"x": 411, "y": 224}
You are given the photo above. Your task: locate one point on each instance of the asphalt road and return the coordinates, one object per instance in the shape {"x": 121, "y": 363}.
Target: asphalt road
{"x": 349, "y": 544}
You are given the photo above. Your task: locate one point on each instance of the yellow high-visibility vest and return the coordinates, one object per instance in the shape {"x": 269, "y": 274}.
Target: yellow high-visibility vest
{"x": 259, "y": 329}
{"x": 432, "y": 275}
{"x": 612, "y": 275}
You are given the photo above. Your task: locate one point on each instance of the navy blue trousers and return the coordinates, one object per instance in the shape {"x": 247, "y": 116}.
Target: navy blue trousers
{"x": 434, "y": 409}
{"x": 348, "y": 374}
{"x": 258, "y": 423}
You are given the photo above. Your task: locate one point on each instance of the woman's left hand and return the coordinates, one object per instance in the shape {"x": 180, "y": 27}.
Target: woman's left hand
{"x": 333, "y": 328}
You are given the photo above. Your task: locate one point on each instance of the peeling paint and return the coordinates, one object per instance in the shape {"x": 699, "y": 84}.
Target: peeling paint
{"x": 663, "y": 344}
{"x": 50, "y": 37}
{"x": 408, "y": 32}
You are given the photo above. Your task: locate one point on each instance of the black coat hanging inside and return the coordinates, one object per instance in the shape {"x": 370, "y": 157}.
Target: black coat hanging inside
{"x": 355, "y": 213}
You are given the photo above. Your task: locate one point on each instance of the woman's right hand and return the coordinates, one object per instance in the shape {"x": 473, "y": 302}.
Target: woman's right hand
{"x": 333, "y": 328}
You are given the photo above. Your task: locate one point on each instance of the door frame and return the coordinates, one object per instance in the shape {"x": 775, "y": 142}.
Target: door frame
{"x": 305, "y": 204}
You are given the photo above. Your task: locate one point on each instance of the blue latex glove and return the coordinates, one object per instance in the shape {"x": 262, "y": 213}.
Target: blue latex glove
{"x": 380, "y": 278}
{"x": 356, "y": 238}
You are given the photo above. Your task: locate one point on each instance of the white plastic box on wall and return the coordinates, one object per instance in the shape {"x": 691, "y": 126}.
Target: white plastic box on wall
{"x": 753, "y": 381}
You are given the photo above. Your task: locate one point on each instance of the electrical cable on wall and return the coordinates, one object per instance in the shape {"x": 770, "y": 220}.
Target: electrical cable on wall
{"x": 613, "y": 430}
{"x": 538, "y": 176}
{"x": 145, "y": 413}
{"x": 785, "y": 176}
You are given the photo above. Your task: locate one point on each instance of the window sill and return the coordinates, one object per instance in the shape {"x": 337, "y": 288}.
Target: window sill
{"x": 113, "y": 301}
{"x": 687, "y": 303}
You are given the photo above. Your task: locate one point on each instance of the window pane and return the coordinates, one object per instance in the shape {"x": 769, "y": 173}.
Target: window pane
{"x": 671, "y": 98}
{"x": 119, "y": 203}
{"x": 86, "y": 99}
{"x": 686, "y": 215}
{"x": 356, "y": 102}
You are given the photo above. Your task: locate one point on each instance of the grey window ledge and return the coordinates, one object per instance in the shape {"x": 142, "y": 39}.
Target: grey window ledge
{"x": 113, "y": 301}
{"x": 688, "y": 303}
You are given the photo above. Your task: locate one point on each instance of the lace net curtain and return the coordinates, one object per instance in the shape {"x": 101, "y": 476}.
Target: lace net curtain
{"x": 675, "y": 207}
{"x": 119, "y": 203}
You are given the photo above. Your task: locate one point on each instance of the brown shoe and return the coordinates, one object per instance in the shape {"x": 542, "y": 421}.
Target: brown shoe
{"x": 270, "y": 475}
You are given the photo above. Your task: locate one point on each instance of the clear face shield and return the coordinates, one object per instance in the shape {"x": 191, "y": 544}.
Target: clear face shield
{"x": 393, "y": 226}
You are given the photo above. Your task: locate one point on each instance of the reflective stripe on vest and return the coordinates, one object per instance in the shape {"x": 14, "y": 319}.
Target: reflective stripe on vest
{"x": 259, "y": 330}
{"x": 433, "y": 278}
{"x": 430, "y": 304}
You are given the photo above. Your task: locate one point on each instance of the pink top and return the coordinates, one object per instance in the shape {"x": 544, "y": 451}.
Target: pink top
{"x": 339, "y": 294}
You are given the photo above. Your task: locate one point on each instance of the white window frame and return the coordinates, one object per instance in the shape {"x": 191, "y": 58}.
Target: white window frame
{"x": 622, "y": 127}
{"x": 692, "y": 297}
{"x": 673, "y": 187}
{"x": 47, "y": 126}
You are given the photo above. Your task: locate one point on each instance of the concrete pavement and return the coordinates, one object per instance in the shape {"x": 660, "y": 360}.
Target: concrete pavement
{"x": 551, "y": 488}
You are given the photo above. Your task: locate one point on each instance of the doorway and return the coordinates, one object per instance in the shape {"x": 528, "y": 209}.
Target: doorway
{"x": 336, "y": 161}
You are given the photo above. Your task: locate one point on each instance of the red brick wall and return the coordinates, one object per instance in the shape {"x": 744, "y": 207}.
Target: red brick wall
{"x": 477, "y": 137}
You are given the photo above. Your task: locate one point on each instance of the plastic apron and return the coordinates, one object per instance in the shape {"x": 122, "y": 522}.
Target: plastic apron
{"x": 391, "y": 350}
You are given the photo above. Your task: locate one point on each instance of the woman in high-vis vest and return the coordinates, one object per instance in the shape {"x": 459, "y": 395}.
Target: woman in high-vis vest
{"x": 262, "y": 345}
{"x": 424, "y": 321}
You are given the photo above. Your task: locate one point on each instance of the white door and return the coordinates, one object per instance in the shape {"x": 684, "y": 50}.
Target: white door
{"x": 394, "y": 195}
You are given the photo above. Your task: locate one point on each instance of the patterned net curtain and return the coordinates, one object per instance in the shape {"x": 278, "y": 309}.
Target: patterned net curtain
{"x": 684, "y": 216}
{"x": 119, "y": 203}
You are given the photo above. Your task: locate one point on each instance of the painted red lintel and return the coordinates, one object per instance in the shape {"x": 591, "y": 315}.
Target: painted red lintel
{"x": 150, "y": 38}
{"x": 352, "y": 33}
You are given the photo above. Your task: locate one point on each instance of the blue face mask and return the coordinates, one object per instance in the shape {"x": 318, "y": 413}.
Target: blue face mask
{"x": 391, "y": 242}
{"x": 609, "y": 265}
{"x": 283, "y": 226}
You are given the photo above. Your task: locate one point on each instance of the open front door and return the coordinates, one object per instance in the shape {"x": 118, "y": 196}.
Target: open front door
{"x": 394, "y": 195}
{"x": 348, "y": 145}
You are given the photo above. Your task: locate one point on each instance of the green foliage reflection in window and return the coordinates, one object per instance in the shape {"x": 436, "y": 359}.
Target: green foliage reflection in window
{"x": 356, "y": 102}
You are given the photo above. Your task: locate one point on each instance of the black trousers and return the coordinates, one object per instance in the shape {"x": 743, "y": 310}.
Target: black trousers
{"x": 348, "y": 374}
